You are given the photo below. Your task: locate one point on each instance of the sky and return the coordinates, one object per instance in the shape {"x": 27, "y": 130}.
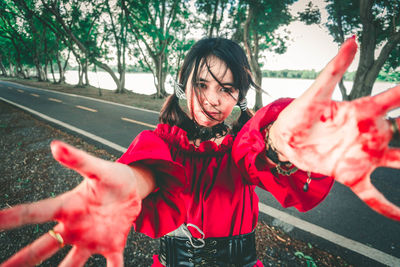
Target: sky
{"x": 311, "y": 47}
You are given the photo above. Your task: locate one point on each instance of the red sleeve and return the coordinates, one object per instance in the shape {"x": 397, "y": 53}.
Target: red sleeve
{"x": 163, "y": 210}
{"x": 249, "y": 155}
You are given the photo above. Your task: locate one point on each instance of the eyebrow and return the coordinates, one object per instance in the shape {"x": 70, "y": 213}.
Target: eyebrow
{"x": 224, "y": 84}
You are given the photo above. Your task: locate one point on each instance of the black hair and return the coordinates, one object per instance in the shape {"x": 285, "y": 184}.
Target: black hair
{"x": 236, "y": 61}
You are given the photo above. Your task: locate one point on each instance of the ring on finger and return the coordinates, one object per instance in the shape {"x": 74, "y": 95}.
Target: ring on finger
{"x": 57, "y": 237}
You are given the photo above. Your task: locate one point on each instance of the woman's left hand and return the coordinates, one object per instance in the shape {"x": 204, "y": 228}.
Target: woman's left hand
{"x": 345, "y": 140}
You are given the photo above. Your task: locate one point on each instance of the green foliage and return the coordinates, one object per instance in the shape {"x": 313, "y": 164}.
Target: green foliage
{"x": 393, "y": 76}
{"x": 343, "y": 18}
{"x": 159, "y": 28}
{"x": 310, "y": 261}
{"x": 311, "y": 15}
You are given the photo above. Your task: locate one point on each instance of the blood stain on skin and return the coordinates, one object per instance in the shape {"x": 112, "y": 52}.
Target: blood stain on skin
{"x": 322, "y": 118}
{"x": 365, "y": 125}
{"x": 376, "y": 153}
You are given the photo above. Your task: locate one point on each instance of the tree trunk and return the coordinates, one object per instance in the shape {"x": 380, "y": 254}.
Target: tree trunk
{"x": 258, "y": 79}
{"x": 20, "y": 71}
{"x": 214, "y": 19}
{"x": 343, "y": 90}
{"x": 85, "y": 71}
{"x": 160, "y": 76}
{"x": 120, "y": 88}
{"x": 63, "y": 69}
{"x": 80, "y": 74}
{"x": 3, "y": 69}
{"x": 60, "y": 69}
{"x": 52, "y": 72}
{"x": 12, "y": 69}
{"x": 252, "y": 56}
{"x": 368, "y": 68}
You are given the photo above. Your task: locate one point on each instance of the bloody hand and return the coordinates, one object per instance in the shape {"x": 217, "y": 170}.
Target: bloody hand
{"x": 346, "y": 140}
{"x": 95, "y": 217}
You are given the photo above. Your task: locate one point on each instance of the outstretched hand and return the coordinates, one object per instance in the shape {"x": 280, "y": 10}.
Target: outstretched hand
{"x": 346, "y": 140}
{"x": 95, "y": 217}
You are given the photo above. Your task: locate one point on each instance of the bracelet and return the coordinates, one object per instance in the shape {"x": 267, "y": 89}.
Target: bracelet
{"x": 272, "y": 154}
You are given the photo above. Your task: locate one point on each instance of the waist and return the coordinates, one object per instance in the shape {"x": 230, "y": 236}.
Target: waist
{"x": 237, "y": 250}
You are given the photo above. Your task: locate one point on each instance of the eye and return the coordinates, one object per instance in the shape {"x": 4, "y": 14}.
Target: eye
{"x": 201, "y": 85}
{"x": 228, "y": 90}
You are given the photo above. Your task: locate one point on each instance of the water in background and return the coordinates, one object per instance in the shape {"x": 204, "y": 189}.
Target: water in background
{"x": 143, "y": 83}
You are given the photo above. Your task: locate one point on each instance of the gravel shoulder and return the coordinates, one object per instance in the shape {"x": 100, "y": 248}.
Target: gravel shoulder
{"x": 29, "y": 173}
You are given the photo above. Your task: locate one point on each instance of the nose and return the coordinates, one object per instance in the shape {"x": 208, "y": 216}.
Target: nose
{"x": 211, "y": 98}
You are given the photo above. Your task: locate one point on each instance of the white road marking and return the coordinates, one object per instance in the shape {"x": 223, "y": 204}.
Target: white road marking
{"x": 86, "y": 108}
{"x": 337, "y": 239}
{"x": 86, "y": 97}
{"x": 139, "y": 122}
{"x": 55, "y": 100}
{"x": 70, "y": 127}
{"x": 35, "y": 95}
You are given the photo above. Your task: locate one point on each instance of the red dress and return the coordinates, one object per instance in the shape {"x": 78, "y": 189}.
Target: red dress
{"x": 213, "y": 186}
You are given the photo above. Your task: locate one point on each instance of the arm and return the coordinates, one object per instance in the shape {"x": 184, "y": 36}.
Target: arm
{"x": 145, "y": 181}
{"x": 345, "y": 140}
{"x": 95, "y": 217}
{"x": 250, "y": 154}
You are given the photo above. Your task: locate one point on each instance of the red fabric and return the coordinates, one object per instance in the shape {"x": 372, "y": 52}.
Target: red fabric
{"x": 213, "y": 186}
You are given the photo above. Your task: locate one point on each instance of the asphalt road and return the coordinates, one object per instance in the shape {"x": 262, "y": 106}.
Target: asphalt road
{"x": 341, "y": 212}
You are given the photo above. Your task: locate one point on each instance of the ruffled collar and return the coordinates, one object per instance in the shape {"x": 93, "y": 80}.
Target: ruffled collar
{"x": 177, "y": 137}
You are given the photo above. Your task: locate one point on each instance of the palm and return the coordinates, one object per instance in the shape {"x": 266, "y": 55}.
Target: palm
{"x": 346, "y": 140}
{"x": 95, "y": 217}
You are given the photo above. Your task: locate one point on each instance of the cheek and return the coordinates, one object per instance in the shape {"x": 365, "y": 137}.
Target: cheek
{"x": 228, "y": 110}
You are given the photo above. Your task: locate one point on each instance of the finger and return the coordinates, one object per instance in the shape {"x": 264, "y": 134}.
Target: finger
{"x": 375, "y": 200}
{"x": 78, "y": 160}
{"x": 392, "y": 158}
{"x": 40, "y": 250}
{"x": 37, "y": 212}
{"x": 115, "y": 260}
{"x": 325, "y": 83}
{"x": 75, "y": 258}
{"x": 387, "y": 100}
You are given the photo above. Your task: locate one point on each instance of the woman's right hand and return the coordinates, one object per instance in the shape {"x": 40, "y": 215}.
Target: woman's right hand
{"x": 95, "y": 217}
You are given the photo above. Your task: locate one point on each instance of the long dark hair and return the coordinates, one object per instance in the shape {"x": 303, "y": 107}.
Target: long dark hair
{"x": 236, "y": 61}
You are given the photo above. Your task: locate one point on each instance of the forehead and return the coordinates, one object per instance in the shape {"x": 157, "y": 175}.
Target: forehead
{"x": 214, "y": 68}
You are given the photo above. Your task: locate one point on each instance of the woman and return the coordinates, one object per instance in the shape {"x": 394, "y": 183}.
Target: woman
{"x": 191, "y": 181}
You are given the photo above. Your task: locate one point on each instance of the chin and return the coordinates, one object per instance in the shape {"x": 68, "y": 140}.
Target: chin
{"x": 207, "y": 123}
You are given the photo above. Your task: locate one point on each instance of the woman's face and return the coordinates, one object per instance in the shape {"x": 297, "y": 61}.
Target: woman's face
{"x": 218, "y": 101}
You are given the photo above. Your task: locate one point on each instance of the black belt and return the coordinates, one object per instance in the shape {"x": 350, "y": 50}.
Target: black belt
{"x": 235, "y": 251}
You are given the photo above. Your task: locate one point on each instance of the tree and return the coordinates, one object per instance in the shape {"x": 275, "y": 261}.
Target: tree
{"x": 153, "y": 24}
{"x": 212, "y": 15}
{"x": 12, "y": 29}
{"x": 377, "y": 23}
{"x": 256, "y": 23}
{"x": 118, "y": 31}
{"x": 79, "y": 24}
